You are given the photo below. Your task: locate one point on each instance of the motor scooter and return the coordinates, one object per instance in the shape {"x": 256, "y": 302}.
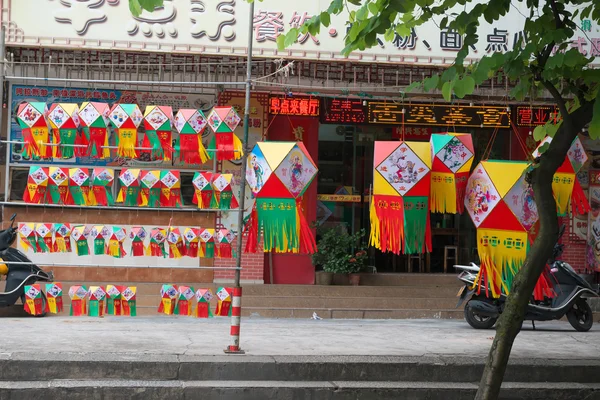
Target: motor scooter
{"x": 19, "y": 270}
{"x": 571, "y": 291}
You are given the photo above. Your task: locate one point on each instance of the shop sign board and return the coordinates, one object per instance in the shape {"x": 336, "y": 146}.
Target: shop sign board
{"x": 300, "y": 106}
{"x": 343, "y": 111}
{"x": 536, "y": 115}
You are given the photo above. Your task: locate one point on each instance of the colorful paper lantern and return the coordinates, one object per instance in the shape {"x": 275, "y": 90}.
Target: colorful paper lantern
{"x": 224, "y": 239}
{"x": 113, "y": 300}
{"x": 37, "y": 184}
{"x": 97, "y": 296}
{"x": 223, "y": 192}
{"x": 80, "y": 235}
{"x": 157, "y": 121}
{"x": 130, "y": 187}
{"x": 99, "y": 234}
{"x": 44, "y": 237}
{"x": 278, "y": 174}
{"x": 28, "y": 237}
{"x": 129, "y": 300}
{"x": 170, "y": 189}
{"x": 223, "y": 302}
{"x": 116, "y": 239}
{"x": 62, "y": 238}
{"x": 226, "y": 145}
{"x": 192, "y": 237}
{"x": 102, "y": 180}
{"x": 31, "y": 117}
{"x": 79, "y": 186}
{"x": 203, "y": 190}
{"x": 207, "y": 243}
{"x": 94, "y": 119}
{"x": 64, "y": 121}
{"x": 33, "y": 299}
{"x": 78, "y": 295}
{"x": 58, "y": 186}
{"x": 126, "y": 118}
{"x": 191, "y": 124}
{"x": 400, "y": 204}
{"x": 203, "y": 297}
{"x": 158, "y": 236}
{"x": 175, "y": 241}
{"x": 54, "y": 300}
{"x": 168, "y": 294}
{"x": 452, "y": 156}
{"x": 184, "y": 303}
{"x": 137, "y": 235}
{"x": 150, "y": 189}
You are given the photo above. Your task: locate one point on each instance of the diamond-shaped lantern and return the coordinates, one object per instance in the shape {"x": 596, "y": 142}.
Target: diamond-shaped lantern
{"x": 400, "y": 204}
{"x": 80, "y": 235}
{"x": 176, "y": 244}
{"x": 31, "y": 117}
{"x": 137, "y": 235}
{"x": 79, "y": 185}
{"x": 64, "y": 121}
{"x": 192, "y": 237}
{"x": 207, "y": 242}
{"x": 451, "y": 159}
{"x": 224, "y": 240}
{"x": 44, "y": 234}
{"x": 100, "y": 234}
{"x": 185, "y": 301}
{"x": 58, "y": 186}
{"x": 170, "y": 189}
{"x": 158, "y": 236}
{"x": 37, "y": 185}
{"x": 191, "y": 124}
{"x": 278, "y": 174}
{"x": 94, "y": 118}
{"x": 28, "y": 237}
{"x": 203, "y": 296}
{"x": 116, "y": 239}
{"x": 227, "y": 146}
{"x": 203, "y": 190}
{"x": 157, "y": 121}
{"x": 130, "y": 187}
{"x": 150, "y": 188}
{"x": 62, "y": 238}
{"x": 222, "y": 185}
{"x": 102, "y": 180}
{"x": 126, "y": 118}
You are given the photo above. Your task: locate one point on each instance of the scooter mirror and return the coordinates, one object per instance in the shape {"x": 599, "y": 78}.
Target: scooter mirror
{"x": 13, "y": 217}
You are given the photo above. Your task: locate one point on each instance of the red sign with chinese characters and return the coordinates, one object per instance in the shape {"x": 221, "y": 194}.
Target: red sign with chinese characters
{"x": 343, "y": 111}
{"x": 298, "y": 106}
{"x": 538, "y": 115}
{"x": 412, "y": 133}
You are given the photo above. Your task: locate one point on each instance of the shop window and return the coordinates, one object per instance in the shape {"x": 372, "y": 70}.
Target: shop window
{"x": 18, "y": 183}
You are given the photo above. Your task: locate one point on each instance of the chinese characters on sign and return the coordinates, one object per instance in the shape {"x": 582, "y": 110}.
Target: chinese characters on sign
{"x": 538, "y": 115}
{"x": 299, "y": 106}
{"x": 343, "y": 111}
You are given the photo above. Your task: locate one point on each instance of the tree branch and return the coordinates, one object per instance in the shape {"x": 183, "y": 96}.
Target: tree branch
{"x": 560, "y": 101}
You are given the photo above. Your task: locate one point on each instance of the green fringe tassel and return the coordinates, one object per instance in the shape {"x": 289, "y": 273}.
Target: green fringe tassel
{"x": 82, "y": 248}
{"x": 67, "y": 136}
{"x": 131, "y": 196}
{"x": 54, "y": 194}
{"x": 42, "y": 245}
{"x": 157, "y": 150}
{"x": 415, "y": 223}
{"x": 99, "y": 246}
{"x": 78, "y": 197}
{"x": 212, "y": 146}
{"x": 210, "y": 250}
{"x": 278, "y": 220}
{"x": 225, "y": 202}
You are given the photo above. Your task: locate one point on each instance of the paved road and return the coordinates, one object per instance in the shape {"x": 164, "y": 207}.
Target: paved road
{"x": 162, "y": 335}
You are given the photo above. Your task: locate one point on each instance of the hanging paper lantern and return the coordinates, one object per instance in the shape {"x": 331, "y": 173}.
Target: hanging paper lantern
{"x": 278, "y": 174}
{"x": 80, "y": 234}
{"x": 97, "y": 294}
{"x": 566, "y": 188}
{"x": 226, "y": 145}
{"x": 168, "y": 294}
{"x": 116, "y": 239}
{"x": 170, "y": 189}
{"x": 130, "y": 187}
{"x": 62, "y": 238}
{"x": 37, "y": 183}
{"x": 184, "y": 304}
{"x": 128, "y": 300}
{"x": 102, "y": 180}
{"x": 191, "y": 236}
{"x": 223, "y": 302}
{"x": 44, "y": 237}
{"x": 451, "y": 159}
{"x": 113, "y": 300}
{"x": 93, "y": 118}
{"x": 78, "y": 295}
{"x": 224, "y": 240}
{"x": 54, "y": 300}
{"x": 158, "y": 236}
{"x": 27, "y": 236}
{"x": 126, "y": 118}
{"x": 58, "y": 186}
{"x": 157, "y": 121}
{"x": 175, "y": 241}
{"x": 64, "y": 121}
{"x": 223, "y": 192}
{"x": 31, "y": 117}
{"x": 203, "y": 297}
{"x": 150, "y": 189}
{"x": 138, "y": 235}
{"x": 400, "y": 205}
{"x": 79, "y": 186}
{"x": 100, "y": 234}
{"x": 191, "y": 124}
{"x": 33, "y": 299}
{"x": 203, "y": 190}
{"x": 207, "y": 243}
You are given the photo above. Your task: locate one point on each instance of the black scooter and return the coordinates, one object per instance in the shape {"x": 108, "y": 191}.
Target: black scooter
{"x": 571, "y": 291}
{"x": 21, "y": 271}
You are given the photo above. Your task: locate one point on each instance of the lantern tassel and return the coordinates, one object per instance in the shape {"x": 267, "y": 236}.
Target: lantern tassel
{"x": 308, "y": 245}
{"x": 152, "y": 140}
{"x": 443, "y": 193}
{"x": 127, "y": 139}
{"x": 579, "y": 202}
{"x": 251, "y": 229}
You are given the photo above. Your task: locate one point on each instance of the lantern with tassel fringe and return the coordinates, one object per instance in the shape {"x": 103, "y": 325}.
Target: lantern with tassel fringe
{"x": 94, "y": 120}
{"x": 44, "y": 237}
{"x": 129, "y": 194}
{"x": 207, "y": 242}
{"x": 58, "y": 187}
{"x": 157, "y": 121}
{"x": 79, "y": 186}
{"x": 116, "y": 239}
{"x": 203, "y": 190}
{"x": 175, "y": 241}
{"x": 32, "y": 118}
{"x": 37, "y": 185}
{"x": 126, "y": 118}
{"x": 113, "y": 300}
{"x": 138, "y": 235}
{"x": 224, "y": 241}
{"x": 191, "y": 124}
{"x": 223, "y": 302}
{"x": 64, "y": 121}
{"x": 223, "y": 192}
{"x": 451, "y": 161}
{"x": 102, "y": 180}
{"x": 97, "y": 296}
{"x": 400, "y": 204}
{"x": 78, "y": 295}
{"x": 170, "y": 189}
{"x": 225, "y": 143}
{"x": 158, "y": 236}
{"x": 80, "y": 235}
{"x": 129, "y": 300}
{"x": 99, "y": 235}
{"x": 168, "y": 294}
{"x": 54, "y": 300}
{"x": 150, "y": 189}
{"x": 191, "y": 236}
{"x": 33, "y": 299}
{"x": 203, "y": 298}
{"x": 62, "y": 238}
{"x": 27, "y": 237}
{"x": 184, "y": 303}
{"x": 278, "y": 174}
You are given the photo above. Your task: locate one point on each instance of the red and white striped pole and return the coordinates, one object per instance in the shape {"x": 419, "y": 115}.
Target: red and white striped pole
{"x": 236, "y": 313}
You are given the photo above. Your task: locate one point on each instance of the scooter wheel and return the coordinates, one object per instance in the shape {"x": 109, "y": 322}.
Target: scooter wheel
{"x": 478, "y": 321}
{"x": 580, "y": 316}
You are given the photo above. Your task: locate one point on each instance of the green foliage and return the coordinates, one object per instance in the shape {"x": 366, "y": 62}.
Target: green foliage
{"x": 340, "y": 252}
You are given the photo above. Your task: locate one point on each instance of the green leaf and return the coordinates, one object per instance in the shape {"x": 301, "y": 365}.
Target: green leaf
{"x": 325, "y": 19}
{"x": 482, "y": 70}
{"x": 543, "y": 148}
{"x": 362, "y": 13}
{"x": 402, "y": 30}
{"x": 539, "y": 132}
{"x": 552, "y": 128}
{"x": 447, "y": 90}
{"x": 464, "y": 86}
{"x": 291, "y": 37}
{"x": 374, "y": 8}
{"x": 431, "y": 83}
{"x": 135, "y": 7}
{"x": 594, "y": 128}
{"x": 281, "y": 42}
{"x": 412, "y": 86}
{"x": 449, "y": 74}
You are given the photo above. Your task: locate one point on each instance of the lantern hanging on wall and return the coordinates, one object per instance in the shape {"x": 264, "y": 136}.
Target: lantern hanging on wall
{"x": 93, "y": 117}
{"x": 191, "y": 124}
{"x": 207, "y": 243}
{"x": 224, "y": 239}
{"x": 37, "y": 184}
{"x": 203, "y": 296}
{"x": 224, "y": 198}
{"x": 54, "y": 297}
{"x": 62, "y": 238}
{"x": 34, "y": 304}
{"x": 225, "y": 143}
{"x": 116, "y": 238}
{"x": 97, "y": 297}
{"x": 129, "y": 300}
{"x": 175, "y": 241}
{"x": 28, "y": 237}
{"x": 185, "y": 302}
{"x": 158, "y": 236}
{"x": 192, "y": 237}
{"x": 126, "y": 118}
{"x": 32, "y": 118}
{"x": 58, "y": 186}
{"x": 138, "y": 235}
{"x": 451, "y": 161}
{"x": 170, "y": 189}
{"x": 44, "y": 235}
{"x": 130, "y": 187}
{"x": 102, "y": 180}
{"x": 157, "y": 121}
{"x": 150, "y": 188}
{"x": 100, "y": 233}
{"x": 400, "y": 204}
{"x": 113, "y": 300}
{"x": 78, "y": 295}
{"x": 64, "y": 121}
{"x": 168, "y": 294}
{"x": 79, "y": 186}
{"x": 80, "y": 235}
{"x": 203, "y": 190}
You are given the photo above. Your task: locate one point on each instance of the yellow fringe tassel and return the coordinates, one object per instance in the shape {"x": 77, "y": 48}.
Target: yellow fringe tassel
{"x": 204, "y": 157}
{"x": 237, "y": 147}
{"x": 61, "y": 245}
{"x": 113, "y": 249}
{"x": 562, "y": 187}
{"x": 443, "y": 193}
{"x": 374, "y": 239}
{"x": 174, "y": 251}
{"x": 127, "y": 143}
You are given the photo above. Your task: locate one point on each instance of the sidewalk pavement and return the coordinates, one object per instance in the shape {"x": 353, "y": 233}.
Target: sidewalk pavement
{"x": 188, "y": 336}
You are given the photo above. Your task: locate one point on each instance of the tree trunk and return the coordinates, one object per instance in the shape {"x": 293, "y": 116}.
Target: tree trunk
{"x": 510, "y": 320}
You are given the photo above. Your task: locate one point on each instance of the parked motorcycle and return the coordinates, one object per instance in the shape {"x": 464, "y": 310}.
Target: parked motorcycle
{"x": 571, "y": 291}
{"x": 19, "y": 270}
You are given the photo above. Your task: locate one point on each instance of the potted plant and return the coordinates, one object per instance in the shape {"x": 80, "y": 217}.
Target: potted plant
{"x": 340, "y": 253}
